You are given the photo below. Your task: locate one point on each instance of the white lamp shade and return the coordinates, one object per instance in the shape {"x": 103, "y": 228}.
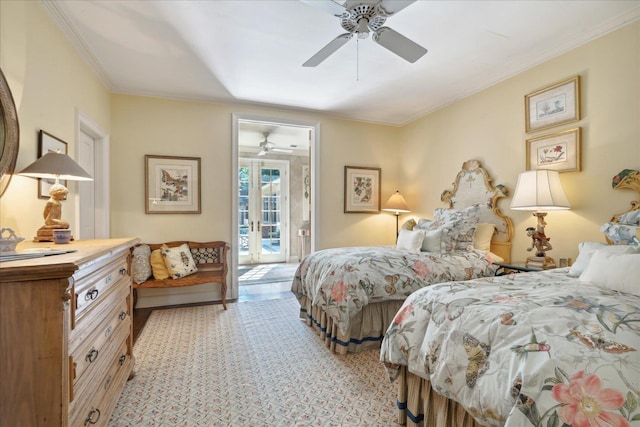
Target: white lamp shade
{"x": 56, "y": 165}
{"x": 396, "y": 203}
{"x": 539, "y": 190}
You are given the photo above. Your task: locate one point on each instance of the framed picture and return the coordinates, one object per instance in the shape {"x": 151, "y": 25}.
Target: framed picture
{"x": 559, "y": 151}
{"x": 553, "y": 105}
{"x": 172, "y": 184}
{"x": 48, "y": 143}
{"x": 361, "y": 190}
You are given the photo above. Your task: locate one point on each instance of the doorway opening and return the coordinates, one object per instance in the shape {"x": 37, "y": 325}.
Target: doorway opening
{"x": 272, "y": 200}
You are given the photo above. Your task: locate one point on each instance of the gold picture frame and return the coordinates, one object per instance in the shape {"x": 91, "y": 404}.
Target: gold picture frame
{"x": 553, "y": 105}
{"x": 361, "y": 189}
{"x": 560, "y": 151}
{"x": 172, "y": 185}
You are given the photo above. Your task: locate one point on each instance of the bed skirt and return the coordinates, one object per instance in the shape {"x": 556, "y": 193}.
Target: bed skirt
{"x": 366, "y": 329}
{"x": 420, "y": 406}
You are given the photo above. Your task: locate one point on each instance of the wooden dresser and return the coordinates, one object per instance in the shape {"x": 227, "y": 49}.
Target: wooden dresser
{"x": 65, "y": 334}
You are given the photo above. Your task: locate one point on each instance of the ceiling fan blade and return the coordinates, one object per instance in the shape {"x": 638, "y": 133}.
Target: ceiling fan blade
{"x": 282, "y": 150}
{"x": 399, "y": 44}
{"x": 391, "y": 7}
{"x": 328, "y": 50}
{"x": 329, "y": 6}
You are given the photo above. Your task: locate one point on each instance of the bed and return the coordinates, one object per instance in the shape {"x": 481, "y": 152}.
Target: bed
{"x": 350, "y": 295}
{"x": 551, "y": 348}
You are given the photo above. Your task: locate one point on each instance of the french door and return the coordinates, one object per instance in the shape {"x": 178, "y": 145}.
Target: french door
{"x": 263, "y": 214}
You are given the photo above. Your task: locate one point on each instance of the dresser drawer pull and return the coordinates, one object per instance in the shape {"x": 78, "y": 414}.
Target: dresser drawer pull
{"x": 108, "y": 331}
{"x": 107, "y": 382}
{"x": 108, "y": 279}
{"x": 123, "y": 271}
{"x": 122, "y": 359}
{"x": 91, "y": 356}
{"x": 123, "y": 315}
{"x": 90, "y": 419}
{"x": 91, "y": 295}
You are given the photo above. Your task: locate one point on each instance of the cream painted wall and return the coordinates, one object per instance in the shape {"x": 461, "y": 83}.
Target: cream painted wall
{"x": 144, "y": 125}
{"x": 489, "y": 126}
{"x": 50, "y": 83}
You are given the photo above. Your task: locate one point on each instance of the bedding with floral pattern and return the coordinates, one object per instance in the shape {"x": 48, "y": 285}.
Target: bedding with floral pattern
{"x": 532, "y": 349}
{"x": 343, "y": 280}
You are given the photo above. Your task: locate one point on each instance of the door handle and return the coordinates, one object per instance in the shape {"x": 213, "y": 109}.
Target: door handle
{"x": 258, "y": 226}
{"x": 251, "y": 225}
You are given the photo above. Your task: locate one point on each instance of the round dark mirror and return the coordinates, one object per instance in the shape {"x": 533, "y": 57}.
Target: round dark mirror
{"x": 9, "y": 132}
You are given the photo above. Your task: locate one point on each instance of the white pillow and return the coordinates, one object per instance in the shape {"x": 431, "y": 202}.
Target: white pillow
{"x": 410, "y": 240}
{"x": 494, "y": 257}
{"x": 482, "y": 236}
{"x": 619, "y": 272}
{"x": 432, "y": 241}
{"x": 586, "y": 250}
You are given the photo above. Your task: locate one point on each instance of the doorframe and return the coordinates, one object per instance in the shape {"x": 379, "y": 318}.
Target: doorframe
{"x": 101, "y": 173}
{"x": 315, "y": 168}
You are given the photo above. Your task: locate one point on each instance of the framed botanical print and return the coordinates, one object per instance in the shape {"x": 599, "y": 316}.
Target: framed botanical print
{"x": 558, "y": 151}
{"x": 361, "y": 189}
{"x": 172, "y": 184}
{"x": 48, "y": 143}
{"x": 553, "y": 105}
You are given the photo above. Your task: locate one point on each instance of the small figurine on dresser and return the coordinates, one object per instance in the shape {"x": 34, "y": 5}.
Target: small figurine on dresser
{"x": 53, "y": 214}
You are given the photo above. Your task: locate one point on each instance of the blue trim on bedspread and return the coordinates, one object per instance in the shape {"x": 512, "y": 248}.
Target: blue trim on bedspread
{"x": 415, "y": 419}
{"x": 336, "y": 340}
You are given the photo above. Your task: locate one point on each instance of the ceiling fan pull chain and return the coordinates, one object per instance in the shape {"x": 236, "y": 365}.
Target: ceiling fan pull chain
{"x": 357, "y": 59}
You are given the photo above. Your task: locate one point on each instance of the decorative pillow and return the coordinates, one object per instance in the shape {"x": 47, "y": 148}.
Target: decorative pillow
{"x": 424, "y": 224}
{"x": 157, "y": 265}
{"x": 432, "y": 241}
{"x": 178, "y": 260}
{"x": 483, "y": 235}
{"x": 140, "y": 264}
{"x": 619, "y": 272}
{"x": 621, "y": 234}
{"x": 459, "y": 225}
{"x": 494, "y": 257}
{"x": 586, "y": 250}
{"x": 410, "y": 240}
{"x": 409, "y": 224}
{"x": 631, "y": 218}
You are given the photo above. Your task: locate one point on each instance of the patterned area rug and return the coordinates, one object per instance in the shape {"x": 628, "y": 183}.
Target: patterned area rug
{"x": 255, "y": 364}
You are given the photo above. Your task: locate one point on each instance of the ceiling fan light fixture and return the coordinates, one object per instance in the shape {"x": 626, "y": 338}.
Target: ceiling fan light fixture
{"x": 363, "y": 28}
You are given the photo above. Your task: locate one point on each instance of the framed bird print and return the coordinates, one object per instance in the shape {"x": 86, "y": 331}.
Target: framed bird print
{"x": 172, "y": 184}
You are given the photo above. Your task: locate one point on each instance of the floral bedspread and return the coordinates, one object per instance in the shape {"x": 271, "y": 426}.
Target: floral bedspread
{"x": 530, "y": 349}
{"x": 343, "y": 280}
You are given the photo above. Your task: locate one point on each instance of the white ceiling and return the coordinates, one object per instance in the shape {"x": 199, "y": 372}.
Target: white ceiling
{"x": 252, "y": 51}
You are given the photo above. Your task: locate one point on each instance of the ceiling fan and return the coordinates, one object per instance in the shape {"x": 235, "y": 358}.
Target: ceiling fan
{"x": 267, "y": 146}
{"x": 361, "y": 17}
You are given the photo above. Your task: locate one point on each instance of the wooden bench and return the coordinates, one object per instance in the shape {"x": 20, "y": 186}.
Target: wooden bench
{"x": 211, "y": 259}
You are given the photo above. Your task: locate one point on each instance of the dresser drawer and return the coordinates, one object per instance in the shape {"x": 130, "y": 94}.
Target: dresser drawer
{"x": 94, "y": 348}
{"x": 94, "y": 286}
{"x": 117, "y": 303}
{"x": 94, "y": 407}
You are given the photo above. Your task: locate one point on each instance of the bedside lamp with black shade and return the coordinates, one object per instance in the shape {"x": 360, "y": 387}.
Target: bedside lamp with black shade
{"x": 56, "y": 166}
{"x": 540, "y": 191}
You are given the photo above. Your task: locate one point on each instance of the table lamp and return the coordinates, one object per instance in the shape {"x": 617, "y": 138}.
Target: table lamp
{"x": 58, "y": 166}
{"x": 539, "y": 190}
{"x": 397, "y": 205}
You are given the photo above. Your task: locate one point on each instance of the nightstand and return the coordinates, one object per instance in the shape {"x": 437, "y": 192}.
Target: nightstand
{"x": 517, "y": 267}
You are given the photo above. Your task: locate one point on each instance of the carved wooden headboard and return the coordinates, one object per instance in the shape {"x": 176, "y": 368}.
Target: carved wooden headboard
{"x": 473, "y": 186}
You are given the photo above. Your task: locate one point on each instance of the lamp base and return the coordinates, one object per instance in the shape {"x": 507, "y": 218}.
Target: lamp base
{"x": 45, "y": 235}
{"x": 540, "y": 263}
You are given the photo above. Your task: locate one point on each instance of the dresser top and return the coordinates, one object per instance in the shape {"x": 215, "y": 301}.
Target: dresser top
{"x": 84, "y": 253}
